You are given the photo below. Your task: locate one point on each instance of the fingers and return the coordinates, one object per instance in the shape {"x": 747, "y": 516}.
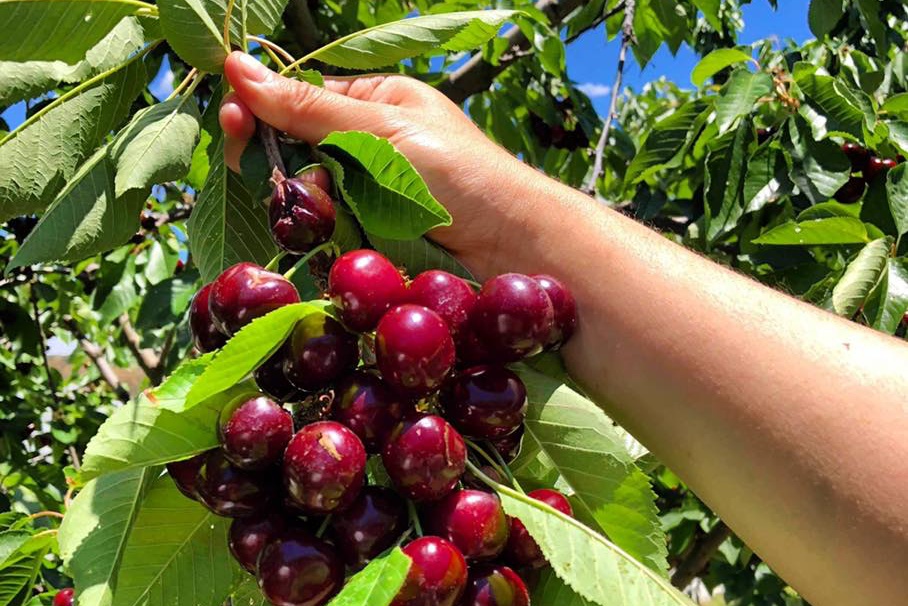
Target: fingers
{"x": 239, "y": 126}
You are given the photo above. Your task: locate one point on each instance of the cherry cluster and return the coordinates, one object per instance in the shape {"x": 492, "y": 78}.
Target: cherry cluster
{"x": 869, "y": 165}
{"x": 410, "y": 373}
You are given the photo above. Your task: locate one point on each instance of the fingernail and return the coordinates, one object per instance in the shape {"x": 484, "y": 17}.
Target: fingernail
{"x": 252, "y": 69}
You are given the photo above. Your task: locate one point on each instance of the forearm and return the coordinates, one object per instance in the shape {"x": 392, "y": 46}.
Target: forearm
{"x": 789, "y": 422}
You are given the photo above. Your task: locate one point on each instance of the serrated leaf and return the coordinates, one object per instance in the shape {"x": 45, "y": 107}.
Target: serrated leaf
{"x": 549, "y": 590}
{"x": 766, "y": 178}
{"x": 378, "y": 583}
{"x": 39, "y": 157}
{"x": 157, "y": 144}
{"x": 887, "y": 304}
{"x": 666, "y": 138}
{"x": 418, "y": 256}
{"x": 388, "y": 43}
{"x": 823, "y": 15}
{"x": 819, "y": 168}
{"x": 897, "y": 195}
{"x": 860, "y": 277}
{"x": 382, "y": 188}
{"x": 93, "y": 534}
{"x": 845, "y": 108}
{"x": 832, "y": 230}
{"x": 571, "y": 435}
{"x": 176, "y": 553}
{"x": 715, "y": 62}
{"x": 741, "y": 93}
{"x": 21, "y": 561}
{"x": 724, "y": 183}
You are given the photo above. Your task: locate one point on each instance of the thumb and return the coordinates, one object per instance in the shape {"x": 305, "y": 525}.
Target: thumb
{"x": 299, "y": 109}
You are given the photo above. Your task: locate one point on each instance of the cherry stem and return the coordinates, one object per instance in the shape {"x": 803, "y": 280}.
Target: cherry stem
{"x": 305, "y": 258}
{"x": 501, "y": 467}
{"x": 414, "y": 518}
{"x": 473, "y": 283}
{"x": 268, "y": 137}
{"x": 321, "y": 529}
{"x": 44, "y": 514}
{"x": 506, "y": 468}
{"x": 273, "y": 263}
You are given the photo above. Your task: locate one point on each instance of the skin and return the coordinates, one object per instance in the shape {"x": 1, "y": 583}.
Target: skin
{"x": 789, "y": 422}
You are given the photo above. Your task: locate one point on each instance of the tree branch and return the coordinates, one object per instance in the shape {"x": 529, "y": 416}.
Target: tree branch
{"x": 96, "y": 354}
{"x": 699, "y": 555}
{"x": 298, "y": 20}
{"x": 147, "y": 360}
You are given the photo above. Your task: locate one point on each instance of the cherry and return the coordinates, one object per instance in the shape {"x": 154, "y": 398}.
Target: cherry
{"x": 64, "y": 597}
{"x": 522, "y": 550}
{"x": 509, "y": 446}
{"x": 367, "y": 406}
{"x": 857, "y": 155}
{"x": 414, "y": 350}
{"x": 301, "y": 215}
{"x": 324, "y": 467}
{"x": 474, "y": 521}
{"x": 230, "y": 491}
{"x": 437, "y": 576}
{"x": 513, "y": 317}
{"x": 319, "y": 352}
{"x": 184, "y": 474}
{"x": 471, "y": 350}
{"x": 248, "y": 536}
{"x": 205, "y": 335}
{"x": 485, "y": 402}
{"x": 445, "y": 294}
{"x": 254, "y": 432}
{"x": 246, "y": 291}
{"x": 298, "y": 569}
{"x": 363, "y": 285}
{"x": 494, "y": 585}
{"x": 764, "y": 134}
{"x": 851, "y": 192}
{"x": 317, "y": 175}
{"x": 877, "y": 166}
{"x": 372, "y": 524}
{"x": 424, "y": 457}
{"x": 564, "y": 306}
{"x": 270, "y": 378}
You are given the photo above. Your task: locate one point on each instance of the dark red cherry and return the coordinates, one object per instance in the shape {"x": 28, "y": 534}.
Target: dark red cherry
{"x": 372, "y": 524}
{"x": 184, "y": 474}
{"x": 230, "y": 491}
{"x": 414, "y": 350}
{"x": 764, "y": 134}
{"x": 876, "y": 167}
{"x": 522, "y": 550}
{"x": 297, "y": 569}
{"x": 319, "y": 352}
{"x": 513, "y": 317}
{"x": 301, "y": 214}
{"x": 363, "y": 285}
{"x": 324, "y": 467}
{"x": 494, "y": 585}
{"x": 437, "y": 576}
{"x": 485, "y": 402}
{"x": 248, "y": 536}
{"x": 851, "y": 192}
{"x": 317, "y": 175}
{"x": 470, "y": 349}
{"x": 270, "y": 378}
{"x": 857, "y": 155}
{"x": 246, "y": 291}
{"x": 205, "y": 335}
{"x": 445, "y": 294}
{"x": 473, "y": 520}
{"x": 424, "y": 457}
{"x": 564, "y": 306}
{"x": 509, "y": 446}
{"x": 368, "y": 407}
{"x": 64, "y": 597}
{"x": 254, "y": 432}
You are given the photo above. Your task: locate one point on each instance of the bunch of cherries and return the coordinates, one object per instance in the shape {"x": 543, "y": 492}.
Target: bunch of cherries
{"x": 412, "y": 372}
{"x": 869, "y": 165}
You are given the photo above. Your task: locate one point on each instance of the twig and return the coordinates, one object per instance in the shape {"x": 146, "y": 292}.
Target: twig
{"x": 43, "y": 341}
{"x": 74, "y": 457}
{"x": 699, "y": 555}
{"x": 627, "y": 38}
{"x": 96, "y": 354}
{"x": 147, "y": 360}
{"x": 268, "y": 137}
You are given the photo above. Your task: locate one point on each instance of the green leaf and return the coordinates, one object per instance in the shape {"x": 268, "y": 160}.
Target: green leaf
{"x": 871, "y": 13}
{"x": 252, "y": 345}
{"x": 897, "y": 194}
{"x": 176, "y": 553}
{"x": 49, "y": 30}
{"x": 195, "y": 28}
{"x": 657, "y": 22}
{"x": 156, "y": 146}
{"x": 21, "y": 555}
{"x": 766, "y": 178}
{"x": 418, "y": 256}
{"x": 741, "y": 93}
{"x": 41, "y": 155}
{"x": 715, "y": 62}
{"x": 725, "y": 173}
{"x": 860, "y": 277}
{"x": 549, "y": 590}
{"x": 569, "y": 435}
{"x": 227, "y": 226}
{"x": 896, "y": 105}
{"x": 888, "y": 302}
{"x": 165, "y": 302}
{"x": 710, "y": 10}
{"x": 833, "y": 230}
{"x": 378, "y": 583}
{"x": 388, "y": 43}
{"x": 247, "y": 593}
{"x": 383, "y": 189}
{"x": 823, "y": 15}
{"x": 94, "y": 532}
{"x": 819, "y": 168}
{"x": 666, "y": 138}
{"x": 846, "y": 109}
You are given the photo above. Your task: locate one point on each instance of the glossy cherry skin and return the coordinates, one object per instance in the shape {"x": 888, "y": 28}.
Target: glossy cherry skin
{"x": 205, "y": 335}
{"x": 513, "y": 317}
{"x": 485, "y": 402}
{"x": 254, "y": 432}
{"x": 494, "y": 585}
{"x": 445, "y": 294}
{"x": 248, "y": 536}
{"x": 368, "y": 407}
{"x": 473, "y": 520}
{"x": 64, "y": 597}
{"x": 857, "y": 155}
{"x": 324, "y": 467}
{"x": 876, "y": 167}
{"x": 424, "y": 457}
{"x": 317, "y": 175}
{"x": 270, "y": 378}
{"x": 565, "y": 307}
{"x": 246, "y": 291}
{"x": 301, "y": 215}
{"x": 298, "y": 569}
{"x": 230, "y": 491}
{"x": 372, "y": 524}
{"x": 471, "y": 351}
{"x": 363, "y": 285}
{"x": 851, "y": 192}
{"x": 437, "y": 576}
{"x": 764, "y": 134}
{"x": 522, "y": 550}
{"x": 319, "y": 352}
{"x": 184, "y": 474}
{"x": 414, "y": 350}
